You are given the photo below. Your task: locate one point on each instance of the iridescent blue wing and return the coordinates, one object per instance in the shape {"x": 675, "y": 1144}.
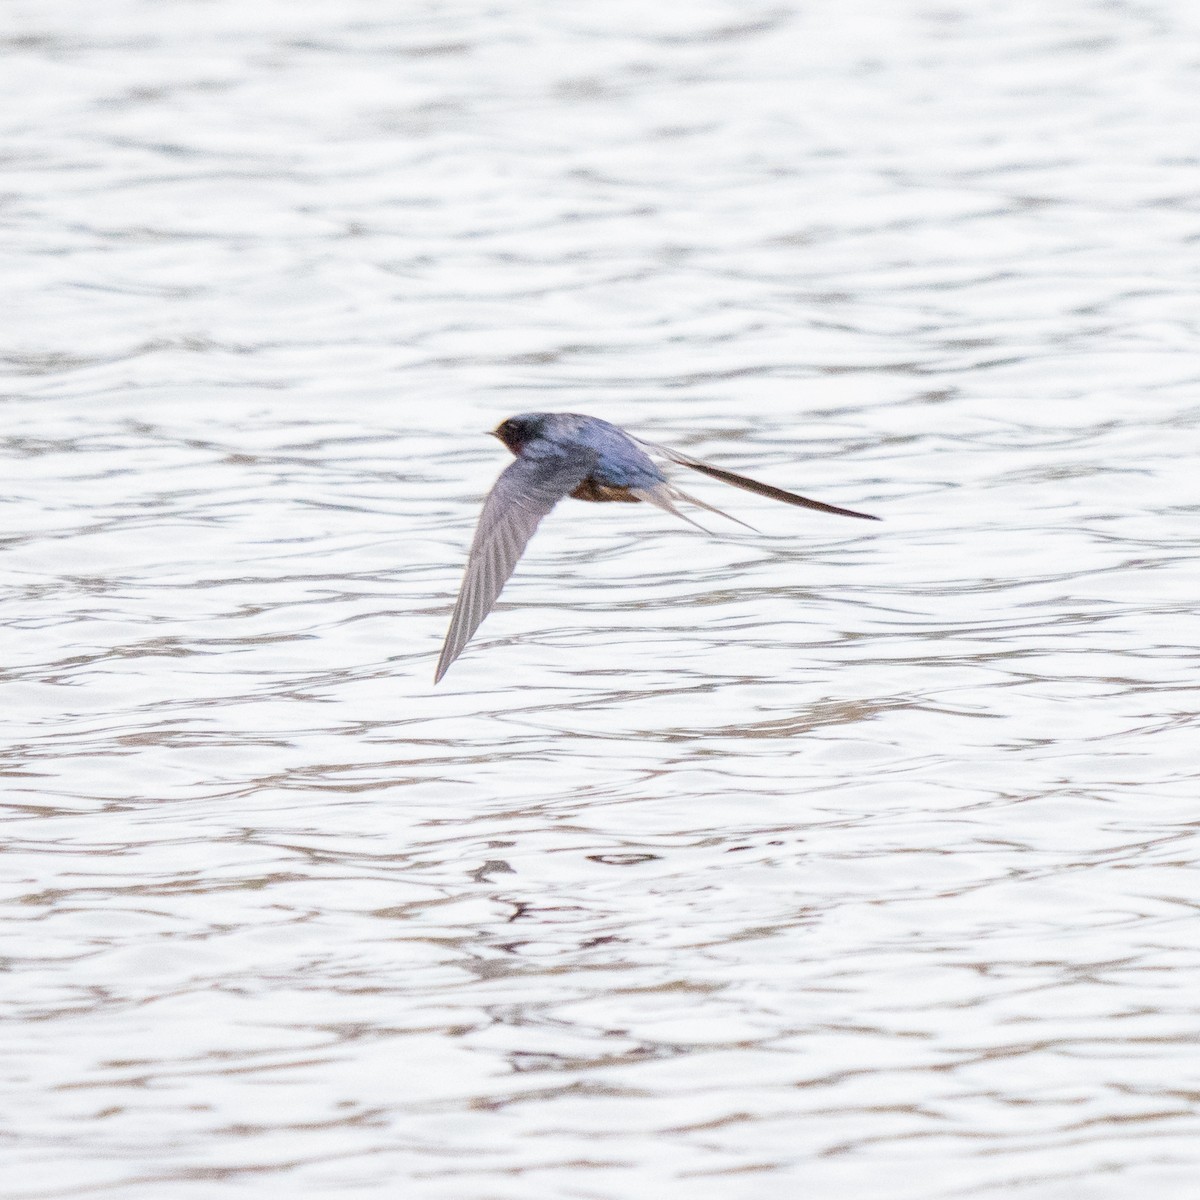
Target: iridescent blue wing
{"x": 525, "y": 492}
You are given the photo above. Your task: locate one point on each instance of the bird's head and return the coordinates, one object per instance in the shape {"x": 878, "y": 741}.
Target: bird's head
{"x": 516, "y": 432}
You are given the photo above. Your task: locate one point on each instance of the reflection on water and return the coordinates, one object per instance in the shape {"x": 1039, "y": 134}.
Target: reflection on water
{"x": 727, "y": 862}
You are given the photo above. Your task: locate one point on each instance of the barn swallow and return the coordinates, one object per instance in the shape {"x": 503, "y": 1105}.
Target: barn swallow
{"x": 566, "y": 454}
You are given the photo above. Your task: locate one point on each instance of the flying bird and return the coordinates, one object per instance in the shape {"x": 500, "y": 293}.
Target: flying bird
{"x": 567, "y": 454}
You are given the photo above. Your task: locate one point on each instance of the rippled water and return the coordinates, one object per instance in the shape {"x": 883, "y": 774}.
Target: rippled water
{"x": 831, "y": 859}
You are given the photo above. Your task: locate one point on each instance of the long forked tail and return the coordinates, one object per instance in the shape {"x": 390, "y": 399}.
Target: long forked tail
{"x": 664, "y": 495}
{"x": 753, "y": 485}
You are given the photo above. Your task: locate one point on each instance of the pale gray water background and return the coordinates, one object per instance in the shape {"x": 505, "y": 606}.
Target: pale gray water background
{"x": 833, "y": 860}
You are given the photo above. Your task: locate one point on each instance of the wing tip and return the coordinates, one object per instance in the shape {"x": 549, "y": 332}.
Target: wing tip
{"x": 445, "y": 661}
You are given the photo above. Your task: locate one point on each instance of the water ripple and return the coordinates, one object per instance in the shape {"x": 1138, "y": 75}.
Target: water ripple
{"x": 736, "y": 862}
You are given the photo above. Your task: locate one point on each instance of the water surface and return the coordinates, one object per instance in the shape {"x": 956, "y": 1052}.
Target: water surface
{"x": 856, "y": 859}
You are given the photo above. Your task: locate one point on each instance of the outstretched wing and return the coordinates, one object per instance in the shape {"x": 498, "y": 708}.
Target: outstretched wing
{"x": 525, "y": 492}
{"x": 752, "y": 485}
